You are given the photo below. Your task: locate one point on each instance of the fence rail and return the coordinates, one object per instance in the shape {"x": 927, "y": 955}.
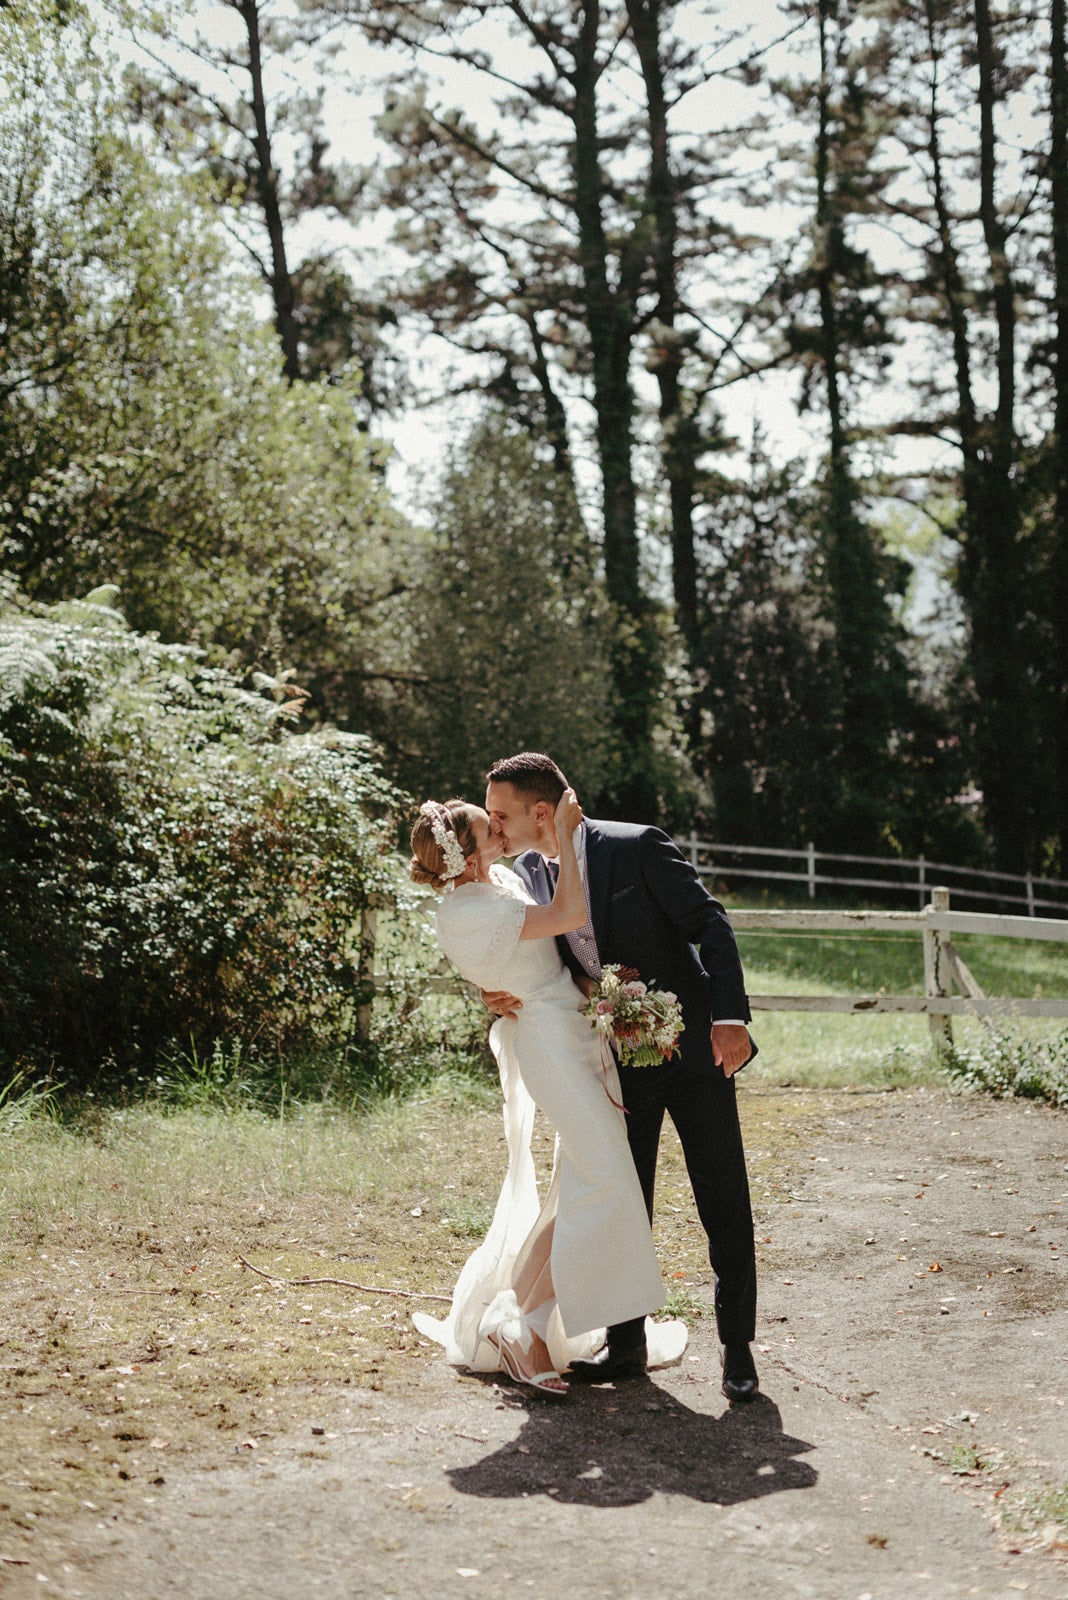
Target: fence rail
{"x": 1003, "y": 888}
{"x": 944, "y": 968}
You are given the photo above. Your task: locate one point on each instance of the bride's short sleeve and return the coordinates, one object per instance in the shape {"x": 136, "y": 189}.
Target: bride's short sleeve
{"x": 479, "y": 927}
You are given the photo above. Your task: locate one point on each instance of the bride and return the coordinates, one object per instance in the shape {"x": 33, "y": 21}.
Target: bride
{"x": 544, "y": 1283}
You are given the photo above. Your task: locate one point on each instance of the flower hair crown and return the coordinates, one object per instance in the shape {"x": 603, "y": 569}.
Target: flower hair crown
{"x": 444, "y": 836}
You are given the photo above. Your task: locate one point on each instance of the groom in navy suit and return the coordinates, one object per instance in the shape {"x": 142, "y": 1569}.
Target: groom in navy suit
{"x": 649, "y": 910}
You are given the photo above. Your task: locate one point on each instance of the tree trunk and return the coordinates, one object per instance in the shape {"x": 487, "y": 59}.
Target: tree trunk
{"x": 842, "y": 581}
{"x": 871, "y": 685}
{"x": 988, "y": 572}
{"x": 610, "y": 326}
{"x": 680, "y": 434}
{"x": 281, "y": 284}
{"x": 1004, "y": 744}
{"x": 556, "y": 430}
{"x": 827, "y": 247}
{"x": 952, "y": 285}
{"x": 1059, "y": 561}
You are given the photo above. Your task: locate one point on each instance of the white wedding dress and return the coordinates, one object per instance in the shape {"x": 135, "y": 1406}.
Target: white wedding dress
{"x": 603, "y": 1264}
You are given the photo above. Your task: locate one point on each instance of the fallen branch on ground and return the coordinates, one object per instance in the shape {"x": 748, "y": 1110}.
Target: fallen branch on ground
{"x": 343, "y": 1283}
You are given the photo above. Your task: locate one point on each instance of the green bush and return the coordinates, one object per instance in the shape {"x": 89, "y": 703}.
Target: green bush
{"x": 421, "y": 1031}
{"x": 176, "y": 865}
{"x": 1008, "y": 1065}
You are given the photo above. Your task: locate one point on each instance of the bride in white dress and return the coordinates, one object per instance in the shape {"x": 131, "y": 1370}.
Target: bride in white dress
{"x": 549, "y": 1277}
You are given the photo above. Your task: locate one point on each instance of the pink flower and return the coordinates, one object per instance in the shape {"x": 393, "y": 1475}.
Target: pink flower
{"x": 604, "y": 1008}
{"x": 671, "y": 999}
{"x": 635, "y": 990}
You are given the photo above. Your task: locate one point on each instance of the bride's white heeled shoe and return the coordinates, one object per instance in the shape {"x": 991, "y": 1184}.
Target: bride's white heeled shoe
{"x": 541, "y": 1381}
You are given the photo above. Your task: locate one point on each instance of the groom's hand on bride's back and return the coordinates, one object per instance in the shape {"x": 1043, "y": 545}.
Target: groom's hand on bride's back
{"x": 501, "y": 1003}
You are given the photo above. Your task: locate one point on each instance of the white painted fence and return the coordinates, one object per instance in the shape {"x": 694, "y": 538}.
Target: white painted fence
{"x": 714, "y": 860}
{"x": 943, "y": 966}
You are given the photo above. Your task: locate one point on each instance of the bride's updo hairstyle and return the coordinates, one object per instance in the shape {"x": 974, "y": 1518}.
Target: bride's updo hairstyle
{"x": 435, "y": 856}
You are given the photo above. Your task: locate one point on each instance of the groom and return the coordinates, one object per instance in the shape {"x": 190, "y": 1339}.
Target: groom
{"x": 648, "y": 910}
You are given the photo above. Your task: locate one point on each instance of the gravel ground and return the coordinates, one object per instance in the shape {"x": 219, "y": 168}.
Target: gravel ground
{"x": 911, "y": 1342}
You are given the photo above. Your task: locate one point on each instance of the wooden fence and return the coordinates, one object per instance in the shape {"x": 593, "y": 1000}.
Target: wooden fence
{"x": 713, "y": 860}
{"x": 944, "y": 969}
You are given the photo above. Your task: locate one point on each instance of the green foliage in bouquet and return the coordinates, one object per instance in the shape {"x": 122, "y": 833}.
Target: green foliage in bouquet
{"x": 176, "y": 864}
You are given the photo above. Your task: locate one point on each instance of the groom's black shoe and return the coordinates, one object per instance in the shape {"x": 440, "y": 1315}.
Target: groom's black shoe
{"x": 740, "y": 1381}
{"x": 610, "y": 1366}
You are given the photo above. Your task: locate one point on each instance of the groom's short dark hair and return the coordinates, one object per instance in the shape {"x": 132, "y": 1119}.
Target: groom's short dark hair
{"x": 534, "y": 776}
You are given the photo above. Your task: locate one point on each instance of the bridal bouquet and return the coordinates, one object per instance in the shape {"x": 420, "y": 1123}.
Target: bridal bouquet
{"x": 644, "y": 1024}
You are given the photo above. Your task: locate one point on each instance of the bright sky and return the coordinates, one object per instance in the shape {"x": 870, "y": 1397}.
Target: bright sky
{"x": 354, "y": 89}
{"x": 354, "y": 95}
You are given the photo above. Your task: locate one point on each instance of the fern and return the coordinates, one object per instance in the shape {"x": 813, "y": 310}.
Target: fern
{"x": 24, "y": 666}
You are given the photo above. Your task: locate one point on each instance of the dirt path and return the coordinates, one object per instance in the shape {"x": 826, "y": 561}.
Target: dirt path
{"x": 912, "y": 1349}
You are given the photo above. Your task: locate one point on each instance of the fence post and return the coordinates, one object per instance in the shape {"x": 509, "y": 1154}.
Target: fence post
{"x": 365, "y": 973}
{"x": 936, "y": 972}
{"x": 1030, "y": 895}
{"x": 811, "y": 870}
{"x": 923, "y": 878}
{"x": 694, "y": 842}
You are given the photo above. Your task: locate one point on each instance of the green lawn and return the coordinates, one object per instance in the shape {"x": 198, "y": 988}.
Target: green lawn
{"x": 879, "y": 1049}
{"x": 817, "y": 963}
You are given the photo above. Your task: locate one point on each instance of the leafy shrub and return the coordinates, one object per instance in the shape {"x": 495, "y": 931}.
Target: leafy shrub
{"x": 22, "y": 1104}
{"x": 1007, "y": 1065}
{"x": 419, "y": 989}
{"x": 176, "y": 865}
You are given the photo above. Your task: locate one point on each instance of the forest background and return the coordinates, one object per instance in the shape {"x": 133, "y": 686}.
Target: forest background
{"x": 598, "y": 241}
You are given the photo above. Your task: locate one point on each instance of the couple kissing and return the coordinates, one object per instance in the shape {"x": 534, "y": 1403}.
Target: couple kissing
{"x": 567, "y": 1285}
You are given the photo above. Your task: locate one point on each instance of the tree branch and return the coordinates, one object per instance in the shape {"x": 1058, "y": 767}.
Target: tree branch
{"x": 344, "y": 1283}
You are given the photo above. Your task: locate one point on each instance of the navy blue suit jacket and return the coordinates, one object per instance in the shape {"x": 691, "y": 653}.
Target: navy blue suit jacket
{"x": 651, "y": 911}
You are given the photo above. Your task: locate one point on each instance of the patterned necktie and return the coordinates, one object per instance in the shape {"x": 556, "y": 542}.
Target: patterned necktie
{"x": 581, "y": 941}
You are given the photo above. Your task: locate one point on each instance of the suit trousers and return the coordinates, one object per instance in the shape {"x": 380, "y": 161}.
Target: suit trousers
{"x": 702, "y": 1103}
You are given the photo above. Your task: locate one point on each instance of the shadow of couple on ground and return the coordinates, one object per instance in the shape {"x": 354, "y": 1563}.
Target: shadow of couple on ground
{"x": 608, "y": 1447}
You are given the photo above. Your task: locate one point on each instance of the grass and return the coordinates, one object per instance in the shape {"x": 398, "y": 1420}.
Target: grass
{"x": 132, "y": 1340}
{"x": 796, "y": 1049}
{"x": 1009, "y": 1064}
{"x": 23, "y": 1103}
{"x": 811, "y": 1049}
{"x": 131, "y": 1337}
{"x": 468, "y": 1218}
{"x": 810, "y": 963}
{"x": 965, "y": 1459}
{"x": 884, "y": 1050}
{"x": 681, "y": 1302}
{"x": 1042, "y": 1515}
{"x": 1037, "y": 1515}
{"x": 400, "y": 1062}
